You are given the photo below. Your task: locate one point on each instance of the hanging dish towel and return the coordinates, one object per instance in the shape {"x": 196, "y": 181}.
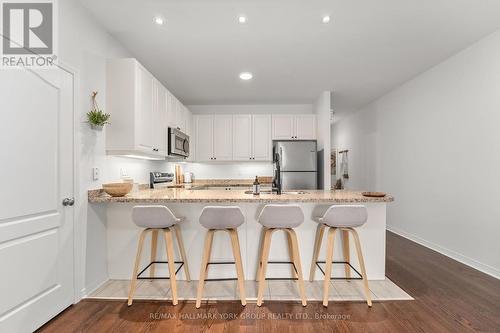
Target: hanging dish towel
{"x": 344, "y": 168}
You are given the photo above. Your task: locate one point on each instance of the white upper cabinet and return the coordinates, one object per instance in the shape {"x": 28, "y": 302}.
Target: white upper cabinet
{"x": 213, "y": 137}
{"x": 171, "y": 110}
{"x": 305, "y": 127}
{"x": 132, "y": 100}
{"x": 283, "y": 127}
{"x": 242, "y": 137}
{"x": 261, "y": 137}
{"x": 223, "y": 137}
{"x": 146, "y": 96}
{"x": 190, "y": 130}
{"x": 204, "y": 128}
{"x": 160, "y": 117}
{"x": 294, "y": 127}
{"x": 177, "y": 114}
{"x": 180, "y": 116}
{"x": 252, "y": 137}
{"x": 141, "y": 110}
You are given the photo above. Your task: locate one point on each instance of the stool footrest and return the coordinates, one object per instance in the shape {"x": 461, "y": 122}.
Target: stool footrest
{"x": 340, "y": 278}
{"x": 221, "y": 263}
{"x": 139, "y": 277}
{"x": 283, "y": 279}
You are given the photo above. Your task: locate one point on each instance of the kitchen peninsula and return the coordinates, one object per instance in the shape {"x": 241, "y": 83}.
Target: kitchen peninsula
{"x": 122, "y": 233}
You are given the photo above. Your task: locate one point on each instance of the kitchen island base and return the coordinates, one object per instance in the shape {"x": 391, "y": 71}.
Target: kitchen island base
{"x": 122, "y": 238}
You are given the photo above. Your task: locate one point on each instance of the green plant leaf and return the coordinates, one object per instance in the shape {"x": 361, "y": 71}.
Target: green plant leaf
{"x": 97, "y": 117}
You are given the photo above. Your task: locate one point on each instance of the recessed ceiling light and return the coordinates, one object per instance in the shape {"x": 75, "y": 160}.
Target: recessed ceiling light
{"x": 326, "y": 19}
{"x": 242, "y": 19}
{"x": 246, "y": 76}
{"x": 159, "y": 20}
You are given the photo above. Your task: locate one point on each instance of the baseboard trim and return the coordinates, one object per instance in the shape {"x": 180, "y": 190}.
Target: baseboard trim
{"x": 88, "y": 290}
{"x": 492, "y": 271}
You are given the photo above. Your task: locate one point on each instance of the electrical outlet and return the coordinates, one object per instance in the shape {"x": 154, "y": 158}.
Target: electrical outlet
{"x": 95, "y": 173}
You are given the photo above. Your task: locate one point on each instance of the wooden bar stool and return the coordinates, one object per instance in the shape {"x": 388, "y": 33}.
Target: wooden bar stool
{"x": 157, "y": 219}
{"x": 344, "y": 218}
{"x": 217, "y": 218}
{"x": 285, "y": 218}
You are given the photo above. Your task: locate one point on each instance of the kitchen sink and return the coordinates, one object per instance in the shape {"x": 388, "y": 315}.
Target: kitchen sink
{"x": 282, "y": 192}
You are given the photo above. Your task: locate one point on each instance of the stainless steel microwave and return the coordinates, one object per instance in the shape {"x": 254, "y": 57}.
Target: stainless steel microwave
{"x": 178, "y": 143}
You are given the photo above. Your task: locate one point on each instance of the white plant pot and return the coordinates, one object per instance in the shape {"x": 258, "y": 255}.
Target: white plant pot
{"x": 96, "y": 127}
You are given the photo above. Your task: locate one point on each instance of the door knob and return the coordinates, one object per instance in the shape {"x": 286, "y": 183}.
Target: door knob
{"x": 68, "y": 202}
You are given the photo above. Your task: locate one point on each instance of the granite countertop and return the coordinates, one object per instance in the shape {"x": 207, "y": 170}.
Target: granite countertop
{"x": 181, "y": 195}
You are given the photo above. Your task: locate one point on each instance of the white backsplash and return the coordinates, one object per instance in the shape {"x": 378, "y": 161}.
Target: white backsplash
{"x": 242, "y": 170}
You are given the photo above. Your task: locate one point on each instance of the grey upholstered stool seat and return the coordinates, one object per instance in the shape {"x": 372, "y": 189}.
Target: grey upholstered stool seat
{"x": 157, "y": 219}
{"x": 221, "y": 217}
{"x": 226, "y": 218}
{"x": 154, "y": 217}
{"x": 280, "y": 217}
{"x": 344, "y": 218}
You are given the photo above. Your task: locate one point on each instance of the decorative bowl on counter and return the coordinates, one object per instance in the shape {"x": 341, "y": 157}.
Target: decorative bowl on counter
{"x": 117, "y": 189}
{"x": 374, "y": 194}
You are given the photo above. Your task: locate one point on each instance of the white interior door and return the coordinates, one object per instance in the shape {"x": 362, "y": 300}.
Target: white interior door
{"x": 36, "y": 230}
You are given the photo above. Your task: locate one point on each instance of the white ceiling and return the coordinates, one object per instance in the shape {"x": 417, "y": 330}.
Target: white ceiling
{"x": 368, "y": 48}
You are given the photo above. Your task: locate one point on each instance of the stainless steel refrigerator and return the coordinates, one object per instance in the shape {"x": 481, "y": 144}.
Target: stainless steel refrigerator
{"x": 298, "y": 164}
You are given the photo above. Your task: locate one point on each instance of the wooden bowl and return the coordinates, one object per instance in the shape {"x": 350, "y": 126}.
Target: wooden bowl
{"x": 117, "y": 189}
{"x": 374, "y": 194}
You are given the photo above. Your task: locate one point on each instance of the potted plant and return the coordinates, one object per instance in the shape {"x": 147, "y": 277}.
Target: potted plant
{"x": 96, "y": 117}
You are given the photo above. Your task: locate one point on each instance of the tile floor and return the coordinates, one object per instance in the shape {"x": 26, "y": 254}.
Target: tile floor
{"x": 383, "y": 290}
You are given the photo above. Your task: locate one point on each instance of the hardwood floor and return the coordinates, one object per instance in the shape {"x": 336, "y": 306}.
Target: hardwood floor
{"x": 449, "y": 297}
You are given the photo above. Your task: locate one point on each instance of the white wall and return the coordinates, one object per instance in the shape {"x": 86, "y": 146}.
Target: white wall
{"x": 85, "y": 46}
{"x": 434, "y": 143}
{"x": 242, "y": 170}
